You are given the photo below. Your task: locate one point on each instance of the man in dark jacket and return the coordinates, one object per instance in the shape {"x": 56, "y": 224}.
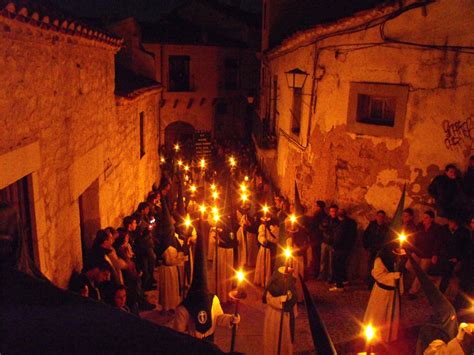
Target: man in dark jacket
{"x": 316, "y": 233}
{"x": 453, "y": 239}
{"x": 424, "y": 246}
{"x": 344, "y": 239}
{"x": 328, "y": 228}
{"x": 374, "y": 237}
{"x": 448, "y": 192}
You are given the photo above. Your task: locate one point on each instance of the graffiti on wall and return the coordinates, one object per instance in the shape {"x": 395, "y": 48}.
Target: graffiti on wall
{"x": 459, "y": 134}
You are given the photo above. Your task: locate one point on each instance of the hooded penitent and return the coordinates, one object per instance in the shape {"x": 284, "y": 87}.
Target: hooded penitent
{"x": 166, "y": 229}
{"x": 198, "y": 301}
{"x": 279, "y": 285}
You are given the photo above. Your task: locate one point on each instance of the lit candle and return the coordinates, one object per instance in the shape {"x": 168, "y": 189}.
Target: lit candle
{"x": 214, "y": 210}
{"x": 202, "y": 208}
{"x": 202, "y": 163}
{"x": 193, "y": 188}
{"x": 163, "y": 160}
{"x": 232, "y": 162}
{"x": 215, "y": 195}
{"x": 187, "y": 222}
{"x": 265, "y": 211}
{"x": 402, "y": 238}
{"x": 186, "y": 168}
{"x": 292, "y": 221}
{"x": 180, "y": 162}
{"x": 287, "y": 256}
{"x": 176, "y": 147}
{"x": 369, "y": 336}
{"x": 246, "y": 178}
{"x": 216, "y": 218}
{"x": 244, "y": 197}
{"x": 243, "y": 188}
{"x": 213, "y": 187}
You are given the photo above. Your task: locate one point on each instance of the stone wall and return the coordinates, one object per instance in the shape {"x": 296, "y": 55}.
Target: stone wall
{"x": 363, "y": 172}
{"x": 57, "y": 104}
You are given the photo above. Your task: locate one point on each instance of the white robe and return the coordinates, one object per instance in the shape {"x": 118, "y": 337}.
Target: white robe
{"x": 247, "y": 246}
{"x": 168, "y": 285}
{"x": 225, "y": 269}
{"x": 263, "y": 271}
{"x": 381, "y": 302}
{"x": 271, "y": 327}
{"x": 182, "y": 322}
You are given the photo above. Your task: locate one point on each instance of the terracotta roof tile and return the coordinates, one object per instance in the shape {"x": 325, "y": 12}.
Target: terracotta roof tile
{"x": 42, "y": 14}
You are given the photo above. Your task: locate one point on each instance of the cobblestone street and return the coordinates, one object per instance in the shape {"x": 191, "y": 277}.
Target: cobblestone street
{"x": 341, "y": 312}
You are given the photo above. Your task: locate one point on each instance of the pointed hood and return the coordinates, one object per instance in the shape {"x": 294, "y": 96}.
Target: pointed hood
{"x": 321, "y": 340}
{"x": 229, "y": 209}
{"x": 396, "y": 224}
{"x": 299, "y": 210}
{"x": 166, "y": 229}
{"x": 198, "y": 301}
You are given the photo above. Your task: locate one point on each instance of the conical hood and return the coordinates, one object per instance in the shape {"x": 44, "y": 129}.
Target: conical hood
{"x": 396, "y": 224}
{"x": 299, "y": 211}
{"x": 198, "y": 301}
{"x": 166, "y": 229}
{"x": 229, "y": 210}
{"x": 321, "y": 340}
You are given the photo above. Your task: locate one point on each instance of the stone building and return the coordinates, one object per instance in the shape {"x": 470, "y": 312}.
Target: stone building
{"x": 78, "y": 151}
{"x": 208, "y": 69}
{"x": 387, "y": 100}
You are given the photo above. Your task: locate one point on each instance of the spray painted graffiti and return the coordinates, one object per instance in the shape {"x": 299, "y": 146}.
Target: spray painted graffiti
{"x": 458, "y": 134}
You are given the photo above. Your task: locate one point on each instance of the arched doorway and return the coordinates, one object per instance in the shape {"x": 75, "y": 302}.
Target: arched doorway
{"x": 181, "y": 132}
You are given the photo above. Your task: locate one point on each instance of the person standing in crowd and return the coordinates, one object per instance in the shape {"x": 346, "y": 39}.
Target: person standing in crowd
{"x": 95, "y": 273}
{"x": 223, "y": 263}
{"x": 383, "y": 309}
{"x": 447, "y": 190}
{"x": 268, "y": 233}
{"x": 326, "y": 272}
{"x": 242, "y": 234}
{"x": 468, "y": 182}
{"x": 466, "y": 272}
{"x": 280, "y": 300}
{"x": 373, "y": 240}
{"x": 409, "y": 227}
{"x": 449, "y": 246}
{"x": 426, "y": 237}
{"x": 316, "y": 233}
{"x": 344, "y": 238}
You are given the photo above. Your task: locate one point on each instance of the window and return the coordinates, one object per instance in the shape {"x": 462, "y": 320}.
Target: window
{"x": 231, "y": 74}
{"x": 377, "y": 109}
{"x": 179, "y": 73}
{"x": 142, "y": 134}
{"x": 296, "y": 111}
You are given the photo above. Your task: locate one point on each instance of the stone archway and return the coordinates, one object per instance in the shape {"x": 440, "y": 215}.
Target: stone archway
{"x": 181, "y": 132}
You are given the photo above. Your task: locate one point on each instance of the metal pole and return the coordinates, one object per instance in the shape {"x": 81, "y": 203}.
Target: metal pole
{"x": 234, "y": 326}
{"x": 215, "y": 257}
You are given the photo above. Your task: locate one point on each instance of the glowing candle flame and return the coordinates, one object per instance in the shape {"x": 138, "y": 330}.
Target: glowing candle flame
{"x": 214, "y": 210}
{"x": 369, "y": 333}
{"x": 193, "y": 188}
{"x": 187, "y": 222}
{"x": 402, "y": 238}
{"x": 232, "y": 161}
{"x": 292, "y": 219}
{"x": 202, "y": 163}
{"x": 213, "y": 187}
{"x": 246, "y": 178}
{"x": 202, "y": 208}
{"x": 244, "y": 197}
{"x": 176, "y": 147}
{"x": 215, "y": 195}
{"x": 243, "y": 188}
{"x": 162, "y": 159}
{"x": 240, "y": 276}
{"x": 287, "y": 253}
{"x": 186, "y": 168}
{"x": 216, "y": 218}
{"x": 180, "y": 162}
{"x": 265, "y": 210}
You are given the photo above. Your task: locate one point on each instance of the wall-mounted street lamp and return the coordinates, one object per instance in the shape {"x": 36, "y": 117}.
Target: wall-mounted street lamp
{"x": 296, "y": 78}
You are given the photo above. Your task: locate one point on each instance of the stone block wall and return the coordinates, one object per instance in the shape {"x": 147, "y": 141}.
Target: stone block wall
{"x": 57, "y": 100}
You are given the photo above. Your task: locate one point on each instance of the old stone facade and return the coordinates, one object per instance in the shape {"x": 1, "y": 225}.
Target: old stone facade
{"x": 408, "y": 52}
{"x": 67, "y": 132}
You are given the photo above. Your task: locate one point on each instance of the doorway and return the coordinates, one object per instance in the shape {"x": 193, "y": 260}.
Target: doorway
{"x": 89, "y": 215}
